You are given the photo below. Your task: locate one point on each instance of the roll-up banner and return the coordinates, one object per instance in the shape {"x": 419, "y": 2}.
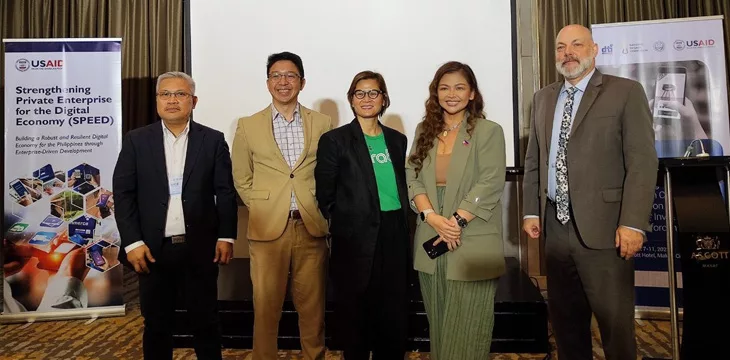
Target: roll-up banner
{"x": 681, "y": 65}
{"x": 63, "y": 126}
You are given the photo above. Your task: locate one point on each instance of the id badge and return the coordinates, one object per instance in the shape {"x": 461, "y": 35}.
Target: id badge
{"x": 176, "y": 185}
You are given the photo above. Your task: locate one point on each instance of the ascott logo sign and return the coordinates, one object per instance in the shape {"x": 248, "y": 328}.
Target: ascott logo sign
{"x": 44, "y": 64}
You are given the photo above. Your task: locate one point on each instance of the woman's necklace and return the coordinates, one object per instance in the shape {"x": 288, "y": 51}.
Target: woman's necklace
{"x": 446, "y": 131}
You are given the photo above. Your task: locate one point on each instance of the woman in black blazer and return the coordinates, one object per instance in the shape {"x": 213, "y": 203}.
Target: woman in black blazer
{"x": 361, "y": 190}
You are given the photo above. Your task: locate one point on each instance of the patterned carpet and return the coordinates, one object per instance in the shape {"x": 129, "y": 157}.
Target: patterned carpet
{"x": 121, "y": 338}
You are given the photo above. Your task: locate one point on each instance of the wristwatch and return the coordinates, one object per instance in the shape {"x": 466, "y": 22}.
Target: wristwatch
{"x": 425, "y": 213}
{"x": 460, "y": 220}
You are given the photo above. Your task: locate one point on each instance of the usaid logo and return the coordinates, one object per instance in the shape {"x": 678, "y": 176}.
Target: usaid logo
{"x": 608, "y": 49}
{"x": 659, "y": 46}
{"x": 693, "y": 44}
{"x": 700, "y": 43}
{"x": 22, "y": 64}
{"x": 50, "y": 64}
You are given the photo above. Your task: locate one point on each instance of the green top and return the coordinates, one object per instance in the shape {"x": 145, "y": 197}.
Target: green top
{"x": 384, "y": 173}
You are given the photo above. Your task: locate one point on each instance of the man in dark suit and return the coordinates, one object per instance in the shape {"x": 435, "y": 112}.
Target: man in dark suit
{"x": 177, "y": 216}
{"x": 590, "y": 173}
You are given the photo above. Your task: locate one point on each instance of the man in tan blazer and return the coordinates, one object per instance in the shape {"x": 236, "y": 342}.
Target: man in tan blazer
{"x": 274, "y": 155}
{"x": 590, "y": 175}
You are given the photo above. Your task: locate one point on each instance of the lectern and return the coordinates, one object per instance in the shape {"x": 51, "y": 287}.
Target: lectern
{"x": 698, "y": 234}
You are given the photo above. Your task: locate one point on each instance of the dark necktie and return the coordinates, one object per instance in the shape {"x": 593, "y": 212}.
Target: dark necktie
{"x": 561, "y": 192}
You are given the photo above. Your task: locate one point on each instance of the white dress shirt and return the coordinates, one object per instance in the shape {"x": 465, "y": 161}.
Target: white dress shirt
{"x": 176, "y": 148}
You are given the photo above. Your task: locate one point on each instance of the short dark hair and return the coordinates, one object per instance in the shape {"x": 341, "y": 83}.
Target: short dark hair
{"x": 369, "y": 75}
{"x": 273, "y": 58}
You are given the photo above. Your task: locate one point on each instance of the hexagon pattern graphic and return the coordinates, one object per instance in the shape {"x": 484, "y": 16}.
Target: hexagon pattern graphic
{"x": 75, "y": 224}
{"x": 102, "y": 256}
{"x": 86, "y": 227}
{"x": 53, "y": 181}
{"x": 25, "y": 191}
{"x": 67, "y": 205}
{"x": 84, "y": 178}
{"x": 100, "y": 203}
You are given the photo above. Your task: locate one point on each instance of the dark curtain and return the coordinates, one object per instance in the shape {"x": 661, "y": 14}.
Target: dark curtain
{"x": 554, "y": 14}
{"x": 151, "y": 31}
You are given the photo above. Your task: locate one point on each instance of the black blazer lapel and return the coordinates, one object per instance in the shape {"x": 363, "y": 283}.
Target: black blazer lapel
{"x": 362, "y": 154}
{"x": 156, "y": 143}
{"x": 195, "y": 141}
{"x": 397, "y": 152}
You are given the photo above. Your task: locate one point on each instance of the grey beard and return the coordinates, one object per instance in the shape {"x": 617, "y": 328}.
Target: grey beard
{"x": 583, "y": 65}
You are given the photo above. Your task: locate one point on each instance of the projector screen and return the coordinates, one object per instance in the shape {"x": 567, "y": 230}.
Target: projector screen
{"x": 406, "y": 41}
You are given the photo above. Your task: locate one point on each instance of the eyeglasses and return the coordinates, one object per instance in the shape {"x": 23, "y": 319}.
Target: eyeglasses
{"x": 289, "y": 77}
{"x": 373, "y": 94}
{"x": 166, "y": 95}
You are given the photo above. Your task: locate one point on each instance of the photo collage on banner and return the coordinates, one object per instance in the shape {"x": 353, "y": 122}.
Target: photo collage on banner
{"x": 62, "y": 138}
{"x": 681, "y": 65}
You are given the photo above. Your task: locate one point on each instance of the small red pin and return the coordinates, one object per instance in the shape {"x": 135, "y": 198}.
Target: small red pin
{"x": 465, "y": 142}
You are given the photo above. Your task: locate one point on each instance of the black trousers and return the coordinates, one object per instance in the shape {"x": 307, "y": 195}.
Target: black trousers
{"x": 176, "y": 278}
{"x": 581, "y": 282}
{"x": 376, "y": 320}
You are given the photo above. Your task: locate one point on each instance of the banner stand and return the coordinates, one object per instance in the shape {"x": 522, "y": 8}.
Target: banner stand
{"x": 72, "y": 314}
{"x": 63, "y": 127}
{"x": 681, "y": 65}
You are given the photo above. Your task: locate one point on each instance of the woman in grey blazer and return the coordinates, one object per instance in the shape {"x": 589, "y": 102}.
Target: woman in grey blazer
{"x": 456, "y": 174}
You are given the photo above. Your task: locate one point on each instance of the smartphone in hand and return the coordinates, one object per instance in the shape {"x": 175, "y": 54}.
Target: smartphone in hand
{"x": 437, "y": 250}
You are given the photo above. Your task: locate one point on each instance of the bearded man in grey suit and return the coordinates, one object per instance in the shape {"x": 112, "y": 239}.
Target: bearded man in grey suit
{"x": 590, "y": 175}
